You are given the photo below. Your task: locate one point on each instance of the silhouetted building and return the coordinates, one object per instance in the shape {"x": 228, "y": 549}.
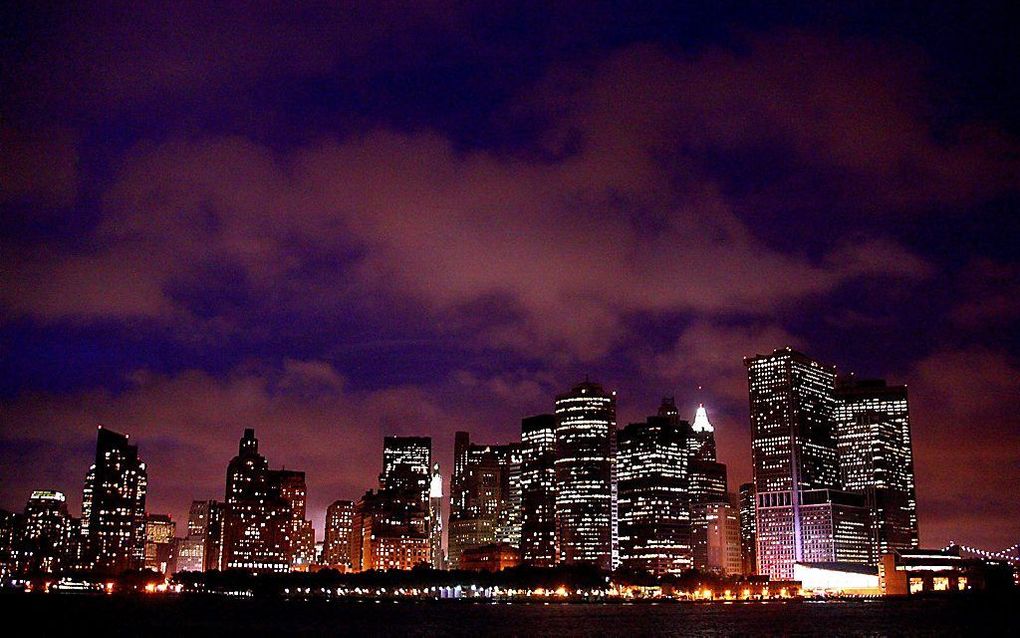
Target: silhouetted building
{"x": 793, "y": 450}
{"x": 160, "y": 531}
{"x": 12, "y": 528}
{"x": 655, "y": 525}
{"x": 392, "y": 527}
{"x": 47, "y": 526}
{"x": 264, "y": 529}
{"x": 586, "y": 507}
{"x": 538, "y": 490}
{"x": 904, "y": 572}
{"x": 336, "y": 549}
{"x": 872, "y": 425}
{"x": 748, "y": 541}
{"x": 485, "y": 503}
{"x": 113, "y": 506}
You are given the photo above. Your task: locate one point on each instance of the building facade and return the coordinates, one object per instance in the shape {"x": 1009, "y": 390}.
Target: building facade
{"x": 538, "y": 490}
{"x": 160, "y": 531}
{"x": 46, "y": 545}
{"x": 873, "y": 440}
{"x": 113, "y": 506}
{"x": 654, "y": 516}
{"x": 586, "y": 504}
{"x": 336, "y": 549}
{"x": 485, "y": 502}
{"x": 748, "y": 537}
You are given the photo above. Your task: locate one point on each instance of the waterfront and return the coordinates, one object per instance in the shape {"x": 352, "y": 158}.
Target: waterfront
{"x": 210, "y": 615}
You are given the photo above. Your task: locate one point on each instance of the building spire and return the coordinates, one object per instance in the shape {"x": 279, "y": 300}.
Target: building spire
{"x": 701, "y": 422}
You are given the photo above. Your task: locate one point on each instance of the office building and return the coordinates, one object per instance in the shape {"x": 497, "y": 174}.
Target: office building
{"x": 538, "y": 490}
{"x": 722, "y": 537}
{"x": 872, "y": 427}
{"x": 160, "y": 532}
{"x": 793, "y": 451}
{"x": 654, "y": 518}
{"x": 707, "y": 484}
{"x": 45, "y": 543}
{"x": 485, "y": 503}
{"x": 436, "y": 519}
{"x": 336, "y": 549}
{"x": 586, "y": 507}
{"x": 113, "y": 506}
{"x": 263, "y": 527}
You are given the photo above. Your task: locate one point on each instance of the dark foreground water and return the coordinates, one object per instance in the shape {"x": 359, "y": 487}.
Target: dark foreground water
{"x": 208, "y": 616}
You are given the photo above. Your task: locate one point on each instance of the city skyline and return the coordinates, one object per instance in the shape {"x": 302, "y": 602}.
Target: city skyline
{"x": 336, "y": 224}
{"x": 698, "y": 420}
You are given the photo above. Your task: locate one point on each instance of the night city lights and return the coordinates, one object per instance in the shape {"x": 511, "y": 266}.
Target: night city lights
{"x": 509, "y": 319}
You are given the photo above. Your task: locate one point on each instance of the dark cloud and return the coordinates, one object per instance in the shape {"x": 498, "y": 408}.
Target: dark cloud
{"x": 335, "y": 223}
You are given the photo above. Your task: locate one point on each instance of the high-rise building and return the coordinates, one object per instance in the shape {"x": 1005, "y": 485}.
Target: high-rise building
{"x": 160, "y": 531}
{"x": 872, "y": 423}
{"x": 263, "y": 528}
{"x": 201, "y": 552}
{"x": 722, "y": 544}
{"x": 794, "y": 453}
{"x": 391, "y": 527}
{"x": 46, "y": 533}
{"x": 113, "y": 506}
{"x": 485, "y": 505}
{"x": 655, "y": 524}
{"x": 748, "y": 543}
{"x": 586, "y": 508}
{"x": 436, "y": 519}
{"x": 12, "y": 528}
{"x": 538, "y": 490}
{"x": 292, "y": 489}
{"x": 336, "y": 550}
{"x": 707, "y": 484}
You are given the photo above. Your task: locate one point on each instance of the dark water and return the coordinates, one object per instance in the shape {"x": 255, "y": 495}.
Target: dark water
{"x": 205, "y": 616}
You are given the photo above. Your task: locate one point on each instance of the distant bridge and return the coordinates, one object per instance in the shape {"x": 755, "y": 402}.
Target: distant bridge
{"x": 1010, "y": 554}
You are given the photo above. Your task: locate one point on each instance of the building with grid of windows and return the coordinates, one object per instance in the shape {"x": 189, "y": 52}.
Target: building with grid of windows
{"x": 538, "y": 490}
{"x": 586, "y": 507}
{"x": 872, "y": 424}
{"x": 793, "y": 450}
{"x": 748, "y": 543}
{"x": 113, "y": 506}
{"x": 336, "y": 548}
{"x": 654, "y": 519}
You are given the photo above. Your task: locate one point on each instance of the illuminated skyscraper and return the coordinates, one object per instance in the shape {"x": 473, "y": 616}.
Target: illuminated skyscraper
{"x": 264, "y": 529}
{"x": 800, "y": 515}
{"x": 748, "y": 542}
{"x": 873, "y": 439}
{"x": 586, "y": 508}
{"x": 159, "y": 536}
{"x": 336, "y": 551}
{"x": 205, "y": 532}
{"x": 722, "y": 544}
{"x": 706, "y": 484}
{"x": 538, "y": 490}
{"x": 113, "y": 506}
{"x": 485, "y": 505}
{"x": 47, "y": 531}
{"x": 655, "y": 525}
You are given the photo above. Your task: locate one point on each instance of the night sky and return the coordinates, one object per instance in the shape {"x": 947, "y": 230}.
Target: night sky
{"x": 337, "y": 223}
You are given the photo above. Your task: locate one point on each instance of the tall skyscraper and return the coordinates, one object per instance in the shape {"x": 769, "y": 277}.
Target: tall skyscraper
{"x": 113, "y": 506}
{"x": 748, "y": 538}
{"x": 586, "y": 508}
{"x": 872, "y": 422}
{"x": 160, "y": 531}
{"x": 46, "y": 533}
{"x": 202, "y": 552}
{"x": 538, "y": 490}
{"x": 264, "y": 529}
{"x": 655, "y": 525}
{"x": 722, "y": 545}
{"x": 336, "y": 551}
{"x": 800, "y": 515}
{"x": 707, "y": 484}
{"x": 485, "y": 504}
